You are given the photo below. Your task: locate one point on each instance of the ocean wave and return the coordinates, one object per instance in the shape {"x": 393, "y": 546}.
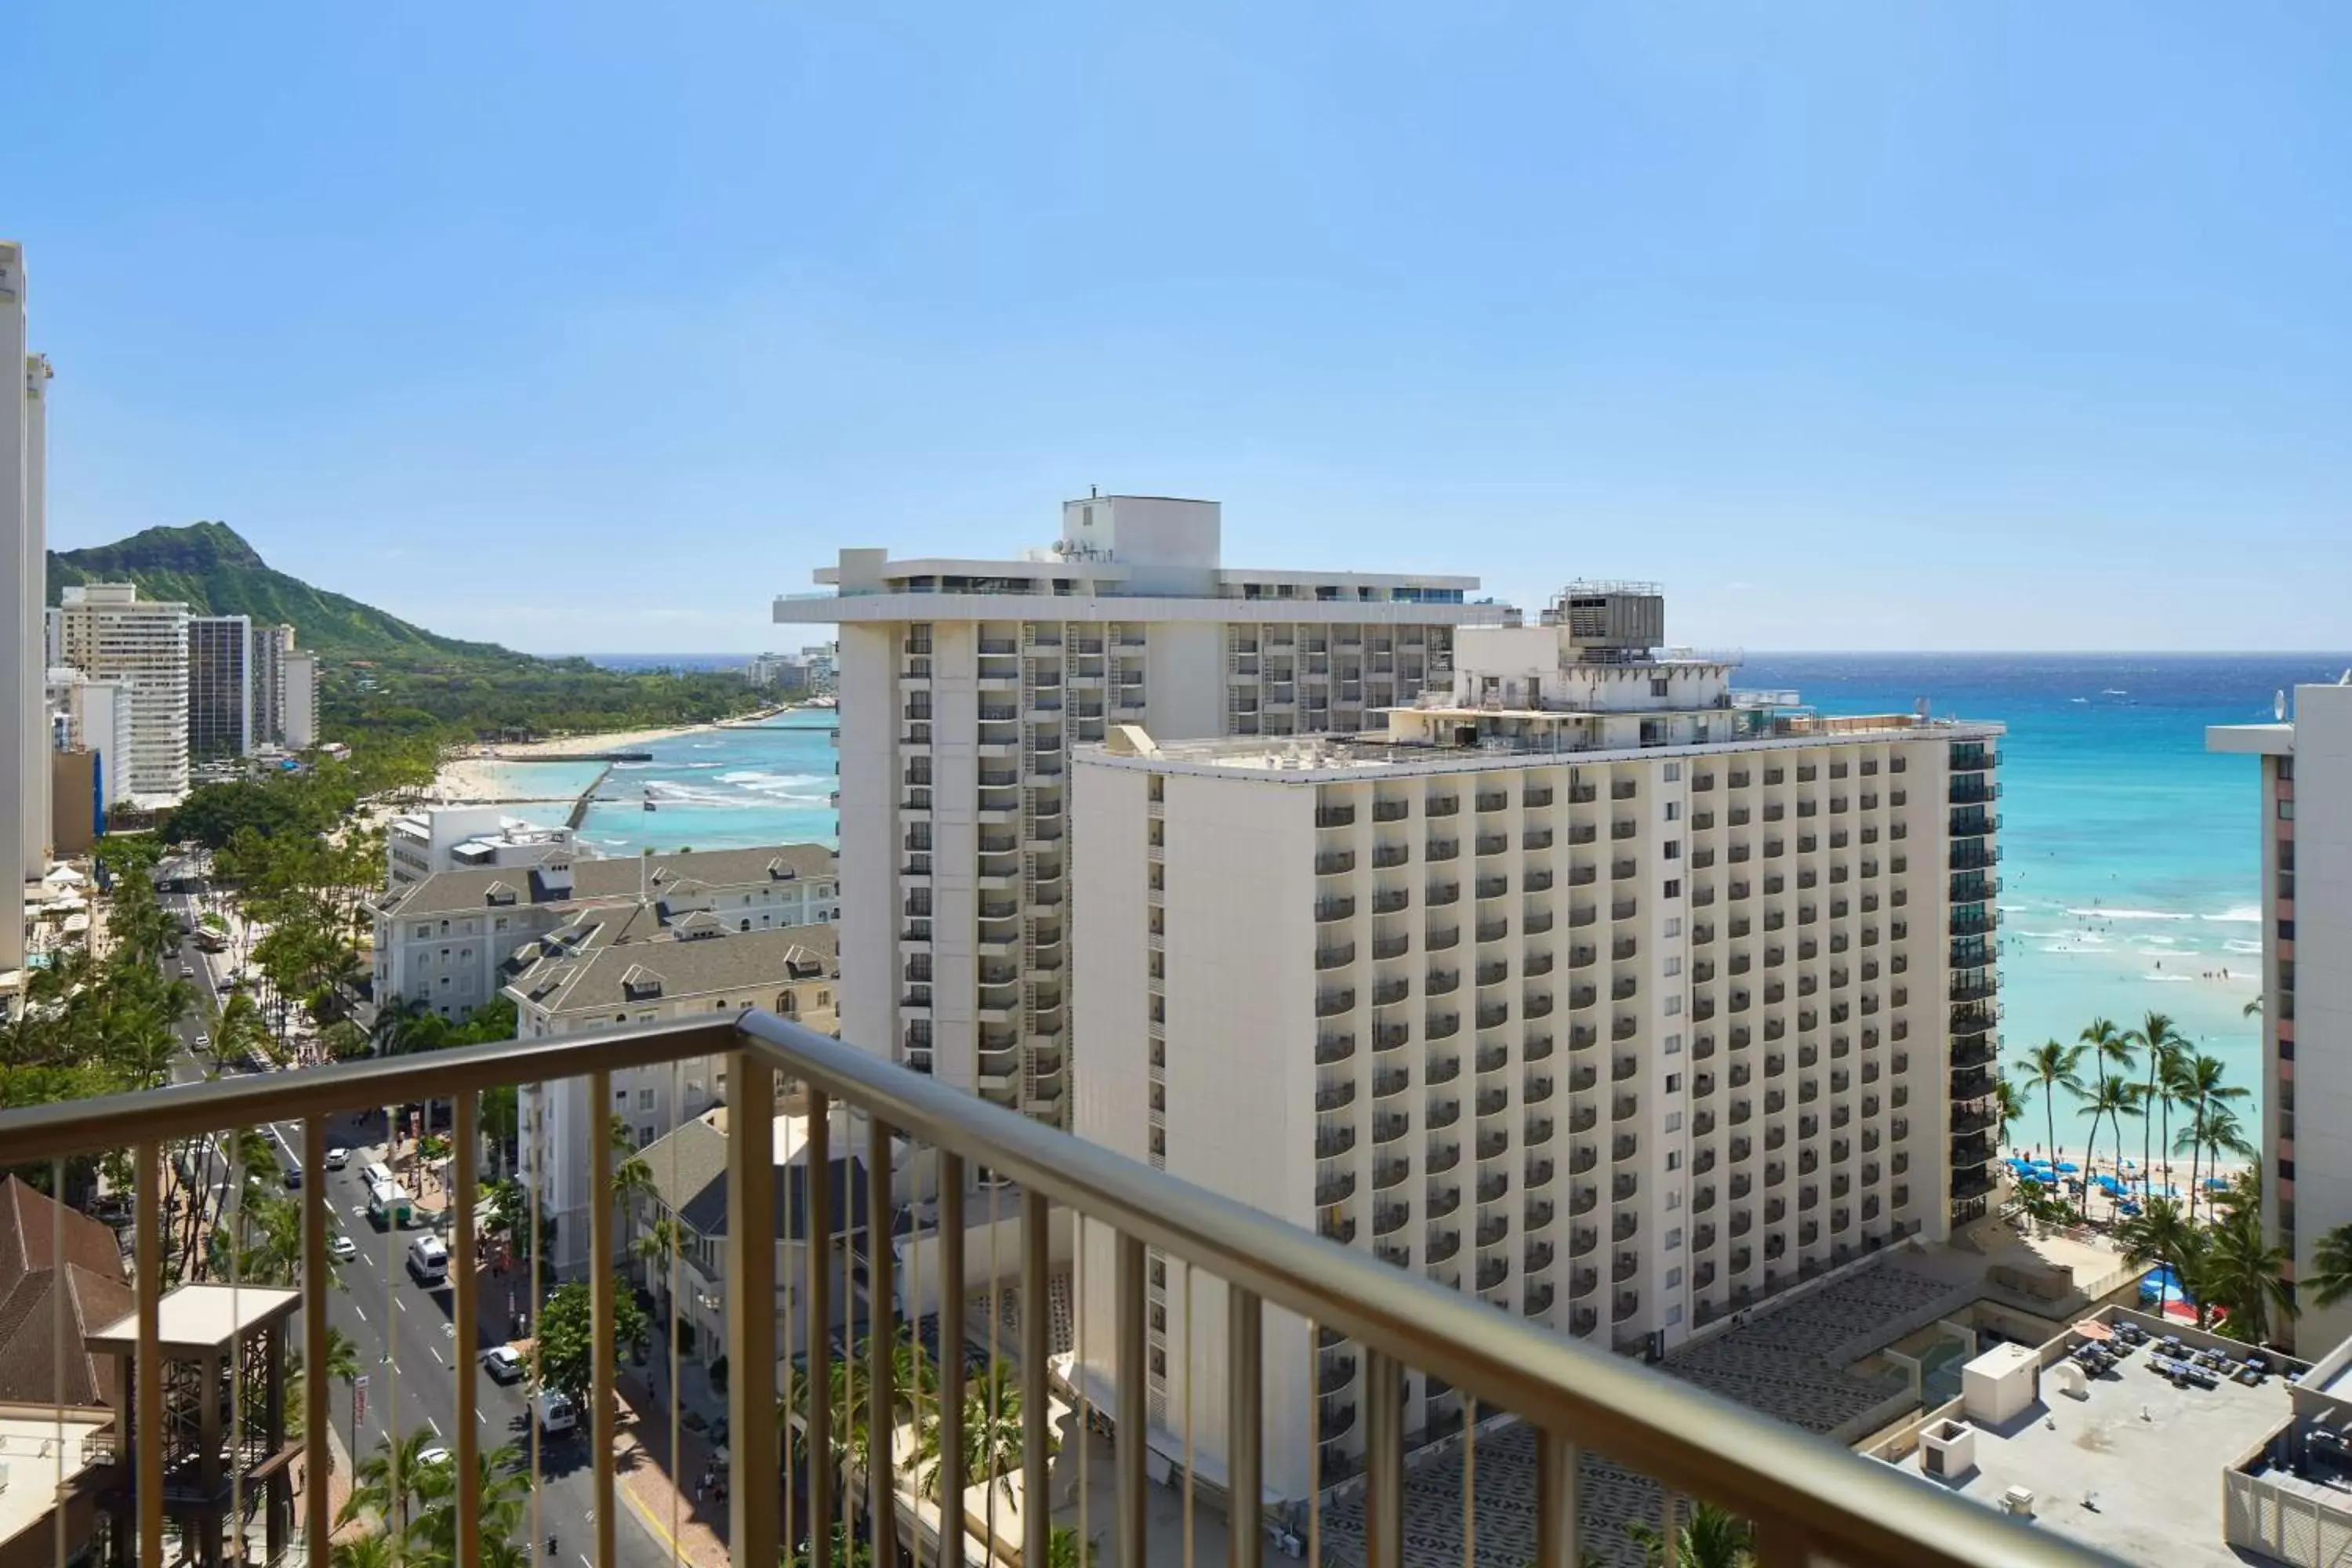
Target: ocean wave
{"x": 2100, "y": 914}
{"x": 2012, "y": 909}
{"x": 2237, "y": 914}
{"x": 2237, "y": 944}
{"x": 2162, "y": 979}
{"x": 2167, "y": 941}
{"x": 633, "y": 767}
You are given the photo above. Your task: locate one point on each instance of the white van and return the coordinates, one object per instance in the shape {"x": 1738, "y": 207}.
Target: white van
{"x": 428, "y": 1260}
{"x": 556, "y": 1414}
{"x": 377, "y": 1175}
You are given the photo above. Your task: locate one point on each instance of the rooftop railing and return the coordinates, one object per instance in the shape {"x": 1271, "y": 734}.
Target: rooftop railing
{"x": 1808, "y": 1501}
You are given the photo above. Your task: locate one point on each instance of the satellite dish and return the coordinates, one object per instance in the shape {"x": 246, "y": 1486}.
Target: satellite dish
{"x": 2278, "y": 705}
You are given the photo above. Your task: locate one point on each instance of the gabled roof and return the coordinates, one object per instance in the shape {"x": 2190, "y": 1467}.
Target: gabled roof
{"x": 32, "y": 1228}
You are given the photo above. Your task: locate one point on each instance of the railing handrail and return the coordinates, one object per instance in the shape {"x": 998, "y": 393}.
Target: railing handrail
{"x": 1692, "y": 1442}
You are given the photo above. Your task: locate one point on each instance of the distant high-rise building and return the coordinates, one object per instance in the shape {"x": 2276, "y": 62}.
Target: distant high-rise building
{"x": 1588, "y": 986}
{"x": 2306, "y": 810}
{"x": 220, "y": 687}
{"x": 109, "y": 631}
{"x": 299, "y": 728}
{"x": 271, "y": 647}
{"x": 963, "y": 686}
{"x": 89, "y": 713}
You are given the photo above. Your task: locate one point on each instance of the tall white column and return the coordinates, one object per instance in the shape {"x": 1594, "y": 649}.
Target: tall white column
{"x": 34, "y": 665}
{"x": 17, "y": 724}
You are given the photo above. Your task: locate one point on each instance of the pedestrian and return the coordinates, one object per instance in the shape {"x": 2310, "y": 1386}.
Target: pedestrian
{"x": 697, "y": 1490}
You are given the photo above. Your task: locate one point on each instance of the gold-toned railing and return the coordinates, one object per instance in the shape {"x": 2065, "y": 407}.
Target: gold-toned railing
{"x": 1808, "y": 1501}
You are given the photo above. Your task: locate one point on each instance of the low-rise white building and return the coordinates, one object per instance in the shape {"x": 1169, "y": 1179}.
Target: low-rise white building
{"x": 619, "y": 965}
{"x": 442, "y": 943}
{"x": 88, "y": 713}
{"x": 435, "y": 838}
{"x": 1623, "y": 999}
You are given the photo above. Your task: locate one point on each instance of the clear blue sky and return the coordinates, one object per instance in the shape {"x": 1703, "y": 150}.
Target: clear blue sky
{"x": 584, "y": 326}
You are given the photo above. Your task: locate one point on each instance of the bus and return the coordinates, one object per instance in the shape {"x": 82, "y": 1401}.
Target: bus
{"x": 389, "y": 1205}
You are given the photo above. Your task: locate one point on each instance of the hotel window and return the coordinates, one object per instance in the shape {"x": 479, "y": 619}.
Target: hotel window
{"x": 1674, "y": 772}
{"x": 2286, "y": 811}
{"x": 1673, "y": 925}
{"x": 1674, "y": 811}
{"x": 1674, "y": 966}
{"x": 645, "y": 1100}
{"x": 1675, "y": 1244}
{"x": 1674, "y": 888}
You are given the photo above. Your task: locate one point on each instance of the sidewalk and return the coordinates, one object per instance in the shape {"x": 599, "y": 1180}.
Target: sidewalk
{"x": 696, "y": 1532}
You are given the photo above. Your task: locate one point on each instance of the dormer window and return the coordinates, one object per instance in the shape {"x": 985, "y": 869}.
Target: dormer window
{"x": 640, "y": 983}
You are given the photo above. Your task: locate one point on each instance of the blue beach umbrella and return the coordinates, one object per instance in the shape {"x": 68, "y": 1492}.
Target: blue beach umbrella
{"x": 2069, "y": 1167}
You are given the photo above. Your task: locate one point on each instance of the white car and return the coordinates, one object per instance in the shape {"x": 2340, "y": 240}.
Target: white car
{"x": 338, "y": 1158}
{"x": 435, "y": 1455}
{"x": 204, "y": 1041}
{"x": 504, "y": 1365}
{"x": 343, "y": 1248}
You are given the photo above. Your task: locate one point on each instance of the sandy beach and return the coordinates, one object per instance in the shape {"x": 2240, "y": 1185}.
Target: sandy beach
{"x": 473, "y": 774}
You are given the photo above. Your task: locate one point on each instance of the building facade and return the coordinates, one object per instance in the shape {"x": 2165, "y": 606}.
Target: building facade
{"x": 2305, "y": 803}
{"x": 963, "y": 685}
{"x": 272, "y": 645}
{"x": 299, "y": 726}
{"x": 621, "y": 964}
{"x": 24, "y": 593}
{"x": 1620, "y": 998}
{"x": 444, "y": 941}
{"x": 220, "y": 688}
{"x": 107, "y": 630}
{"x": 435, "y": 838}
{"x": 91, "y": 714}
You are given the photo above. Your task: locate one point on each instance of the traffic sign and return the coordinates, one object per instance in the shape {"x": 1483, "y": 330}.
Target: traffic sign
{"x": 359, "y": 1399}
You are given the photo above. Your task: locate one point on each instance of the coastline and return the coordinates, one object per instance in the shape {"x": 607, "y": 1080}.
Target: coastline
{"x": 470, "y": 776}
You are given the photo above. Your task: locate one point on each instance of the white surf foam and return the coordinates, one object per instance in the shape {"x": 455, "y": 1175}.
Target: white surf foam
{"x": 2237, "y": 914}
{"x": 2101, "y": 914}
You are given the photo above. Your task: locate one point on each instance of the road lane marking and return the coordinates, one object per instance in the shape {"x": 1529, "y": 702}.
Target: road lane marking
{"x": 437, "y": 1432}
{"x": 436, "y": 1350}
{"x": 401, "y": 1302}
{"x": 481, "y": 1416}
{"x": 360, "y": 1311}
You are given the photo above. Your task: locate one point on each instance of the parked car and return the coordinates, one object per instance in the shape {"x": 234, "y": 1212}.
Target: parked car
{"x": 337, "y": 1158}
{"x": 343, "y": 1248}
{"x": 293, "y": 1178}
{"x": 504, "y": 1365}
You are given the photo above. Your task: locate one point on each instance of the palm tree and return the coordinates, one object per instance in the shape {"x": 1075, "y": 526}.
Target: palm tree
{"x": 654, "y": 1243}
{"x": 1063, "y": 1550}
{"x": 2161, "y": 1044}
{"x": 2110, "y": 1050}
{"x": 2252, "y": 1009}
{"x": 847, "y": 1552}
{"x": 2246, "y": 1272}
{"x": 2331, "y": 1267}
{"x": 502, "y": 1486}
{"x": 1708, "y": 1537}
{"x": 2111, "y": 1099}
{"x": 2053, "y": 1067}
{"x": 2165, "y": 1234}
{"x": 373, "y": 1549}
{"x": 991, "y": 1433}
{"x": 387, "y": 1480}
{"x": 2197, "y": 1085}
{"x": 2010, "y": 1104}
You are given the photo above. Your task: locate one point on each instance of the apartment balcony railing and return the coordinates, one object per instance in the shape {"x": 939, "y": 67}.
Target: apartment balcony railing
{"x": 1809, "y": 1500}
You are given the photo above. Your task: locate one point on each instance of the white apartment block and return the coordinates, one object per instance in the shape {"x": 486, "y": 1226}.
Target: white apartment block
{"x": 271, "y": 643}
{"x": 24, "y": 593}
{"x": 2306, "y": 1108}
{"x": 963, "y": 685}
{"x": 444, "y": 941}
{"x": 1618, "y": 997}
{"x": 417, "y": 844}
{"x": 298, "y": 725}
{"x": 220, "y": 688}
{"x": 91, "y": 714}
{"x": 619, "y": 965}
{"x": 107, "y": 630}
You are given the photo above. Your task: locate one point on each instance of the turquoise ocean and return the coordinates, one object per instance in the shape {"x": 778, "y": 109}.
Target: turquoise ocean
{"x": 2131, "y": 865}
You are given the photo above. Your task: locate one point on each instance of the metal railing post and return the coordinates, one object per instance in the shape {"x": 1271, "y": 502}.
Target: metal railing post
{"x": 1244, "y": 1401}
{"x": 881, "y": 1347}
{"x": 1134, "y": 1405}
{"x": 147, "y": 1359}
{"x": 1383, "y": 1461}
{"x": 951, "y": 1479}
{"x": 1036, "y": 1412}
{"x": 318, "y": 1523}
{"x": 1556, "y": 1526}
{"x": 751, "y": 1311}
{"x": 464, "y": 1133}
{"x": 601, "y": 1349}
{"x": 823, "y": 1463}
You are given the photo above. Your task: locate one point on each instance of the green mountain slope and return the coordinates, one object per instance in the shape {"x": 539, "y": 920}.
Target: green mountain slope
{"x": 213, "y": 572}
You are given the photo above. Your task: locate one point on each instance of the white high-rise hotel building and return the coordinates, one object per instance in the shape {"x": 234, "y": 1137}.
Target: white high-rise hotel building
{"x": 107, "y": 630}
{"x": 964, "y": 683}
{"x": 1618, "y": 997}
{"x": 23, "y": 591}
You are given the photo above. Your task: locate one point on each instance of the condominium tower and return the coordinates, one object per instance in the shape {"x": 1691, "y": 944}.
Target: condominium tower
{"x": 1589, "y": 985}
{"x": 23, "y": 566}
{"x": 107, "y": 630}
{"x": 2305, "y": 801}
{"x": 964, "y": 683}
{"x": 221, "y": 717}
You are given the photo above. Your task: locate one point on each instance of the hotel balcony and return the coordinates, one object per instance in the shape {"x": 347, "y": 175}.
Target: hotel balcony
{"x": 1823, "y": 1504}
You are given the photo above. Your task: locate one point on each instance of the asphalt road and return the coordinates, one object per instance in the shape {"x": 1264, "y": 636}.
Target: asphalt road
{"x": 405, "y": 1339}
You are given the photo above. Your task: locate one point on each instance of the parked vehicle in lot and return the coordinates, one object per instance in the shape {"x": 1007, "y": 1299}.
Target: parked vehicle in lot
{"x": 504, "y": 1365}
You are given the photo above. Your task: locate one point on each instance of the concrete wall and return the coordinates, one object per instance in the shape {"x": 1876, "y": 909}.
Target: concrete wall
{"x": 2319, "y": 1083}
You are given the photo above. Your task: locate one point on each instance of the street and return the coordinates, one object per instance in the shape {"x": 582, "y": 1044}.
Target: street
{"x": 403, "y": 1334}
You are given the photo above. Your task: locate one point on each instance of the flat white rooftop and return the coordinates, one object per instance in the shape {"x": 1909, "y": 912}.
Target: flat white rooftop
{"x": 2261, "y": 739}
{"x": 41, "y": 1454}
{"x": 200, "y": 1316}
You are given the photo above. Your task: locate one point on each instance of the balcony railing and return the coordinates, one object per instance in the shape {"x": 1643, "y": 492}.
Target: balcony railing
{"x": 1808, "y": 1499}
